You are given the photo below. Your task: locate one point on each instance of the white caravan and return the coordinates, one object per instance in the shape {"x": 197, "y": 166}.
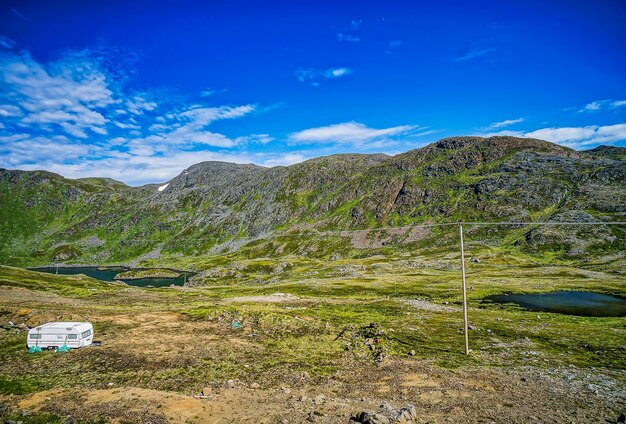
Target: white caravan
{"x": 56, "y": 334}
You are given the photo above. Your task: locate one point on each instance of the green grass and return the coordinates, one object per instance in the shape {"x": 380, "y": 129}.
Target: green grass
{"x": 74, "y": 286}
{"x": 321, "y": 332}
{"x": 18, "y": 386}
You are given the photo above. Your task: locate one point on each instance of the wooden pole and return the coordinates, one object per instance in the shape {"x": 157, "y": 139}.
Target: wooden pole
{"x": 465, "y": 325}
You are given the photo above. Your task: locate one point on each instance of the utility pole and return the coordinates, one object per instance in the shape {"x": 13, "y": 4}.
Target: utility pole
{"x": 465, "y": 325}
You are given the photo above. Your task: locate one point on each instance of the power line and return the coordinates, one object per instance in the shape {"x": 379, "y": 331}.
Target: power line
{"x": 545, "y": 223}
{"x": 405, "y": 227}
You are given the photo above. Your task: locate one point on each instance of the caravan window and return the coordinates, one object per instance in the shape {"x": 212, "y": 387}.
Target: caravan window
{"x": 35, "y": 336}
{"x": 72, "y": 336}
{"x": 86, "y": 334}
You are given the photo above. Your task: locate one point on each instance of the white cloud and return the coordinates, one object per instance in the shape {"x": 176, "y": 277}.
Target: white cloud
{"x": 125, "y": 126}
{"x": 137, "y": 170}
{"x": 285, "y": 159}
{"x": 349, "y": 34}
{"x": 207, "y": 92}
{"x": 9, "y": 111}
{"x": 598, "y": 105}
{"x": 138, "y": 105}
{"x": 336, "y": 73}
{"x": 6, "y": 43}
{"x": 593, "y": 106}
{"x": 349, "y": 132}
{"x": 350, "y": 38}
{"x": 24, "y": 151}
{"x": 574, "y": 137}
{"x": 473, "y": 52}
{"x": 203, "y": 116}
{"x": 74, "y": 118}
{"x": 354, "y": 25}
{"x": 314, "y": 75}
{"x": 505, "y": 123}
{"x": 57, "y": 95}
{"x": 423, "y": 133}
{"x": 254, "y": 139}
{"x": 189, "y": 127}
{"x": 563, "y": 135}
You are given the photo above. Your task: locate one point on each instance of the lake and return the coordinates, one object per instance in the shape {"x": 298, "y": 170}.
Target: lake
{"x": 109, "y": 273}
{"x": 567, "y": 302}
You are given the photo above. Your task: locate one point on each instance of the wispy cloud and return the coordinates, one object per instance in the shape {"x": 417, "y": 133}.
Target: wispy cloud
{"x": 18, "y": 14}
{"x": 73, "y": 117}
{"x": 208, "y": 92}
{"x": 597, "y": 105}
{"x": 354, "y": 133}
{"x": 6, "y": 43}
{"x": 55, "y": 97}
{"x": 350, "y": 38}
{"x": 285, "y": 159}
{"x": 188, "y": 130}
{"x": 473, "y": 52}
{"x": 392, "y": 46}
{"x": 505, "y": 123}
{"x": 313, "y": 76}
{"x": 337, "y": 72}
{"x": 575, "y": 137}
{"x": 423, "y": 133}
{"x": 350, "y": 33}
{"x": 602, "y": 105}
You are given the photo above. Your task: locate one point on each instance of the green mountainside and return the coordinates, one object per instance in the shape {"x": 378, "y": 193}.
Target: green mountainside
{"x": 215, "y": 208}
{"x": 611, "y": 152}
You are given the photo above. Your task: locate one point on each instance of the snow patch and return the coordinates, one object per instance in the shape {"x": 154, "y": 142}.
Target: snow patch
{"x": 163, "y": 187}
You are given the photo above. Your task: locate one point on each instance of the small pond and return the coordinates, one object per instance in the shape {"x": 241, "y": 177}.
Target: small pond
{"x": 109, "y": 273}
{"x": 567, "y": 302}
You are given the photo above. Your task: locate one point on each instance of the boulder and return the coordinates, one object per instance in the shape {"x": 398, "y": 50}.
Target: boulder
{"x": 387, "y": 414}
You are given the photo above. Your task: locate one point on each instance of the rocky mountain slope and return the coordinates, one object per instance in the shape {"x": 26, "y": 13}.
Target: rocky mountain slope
{"x": 215, "y": 207}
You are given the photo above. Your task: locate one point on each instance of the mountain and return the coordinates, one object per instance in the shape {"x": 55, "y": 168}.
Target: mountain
{"x": 215, "y": 207}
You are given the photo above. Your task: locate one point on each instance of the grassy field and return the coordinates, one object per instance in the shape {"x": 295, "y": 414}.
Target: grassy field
{"x": 271, "y": 336}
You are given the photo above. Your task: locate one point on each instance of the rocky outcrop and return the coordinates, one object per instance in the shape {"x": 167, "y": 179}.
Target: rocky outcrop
{"x": 387, "y": 414}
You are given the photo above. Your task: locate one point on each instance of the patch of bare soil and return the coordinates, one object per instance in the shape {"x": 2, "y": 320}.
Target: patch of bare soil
{"x": 378, "y": 238}
{"x": 24, "y": 297}
{"x": 425, "y": 305}
{"x": 271, "y": 298}
{"x": 438, "y": 396}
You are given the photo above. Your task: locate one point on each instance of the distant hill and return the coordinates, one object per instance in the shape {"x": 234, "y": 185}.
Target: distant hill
{"x": 215, "y": 207}
{"x": 103, "y": 182}
{"x": 611, "y": 152}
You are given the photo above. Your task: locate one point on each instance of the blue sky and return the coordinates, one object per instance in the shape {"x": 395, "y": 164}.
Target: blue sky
{"x": 138, "y": 91}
